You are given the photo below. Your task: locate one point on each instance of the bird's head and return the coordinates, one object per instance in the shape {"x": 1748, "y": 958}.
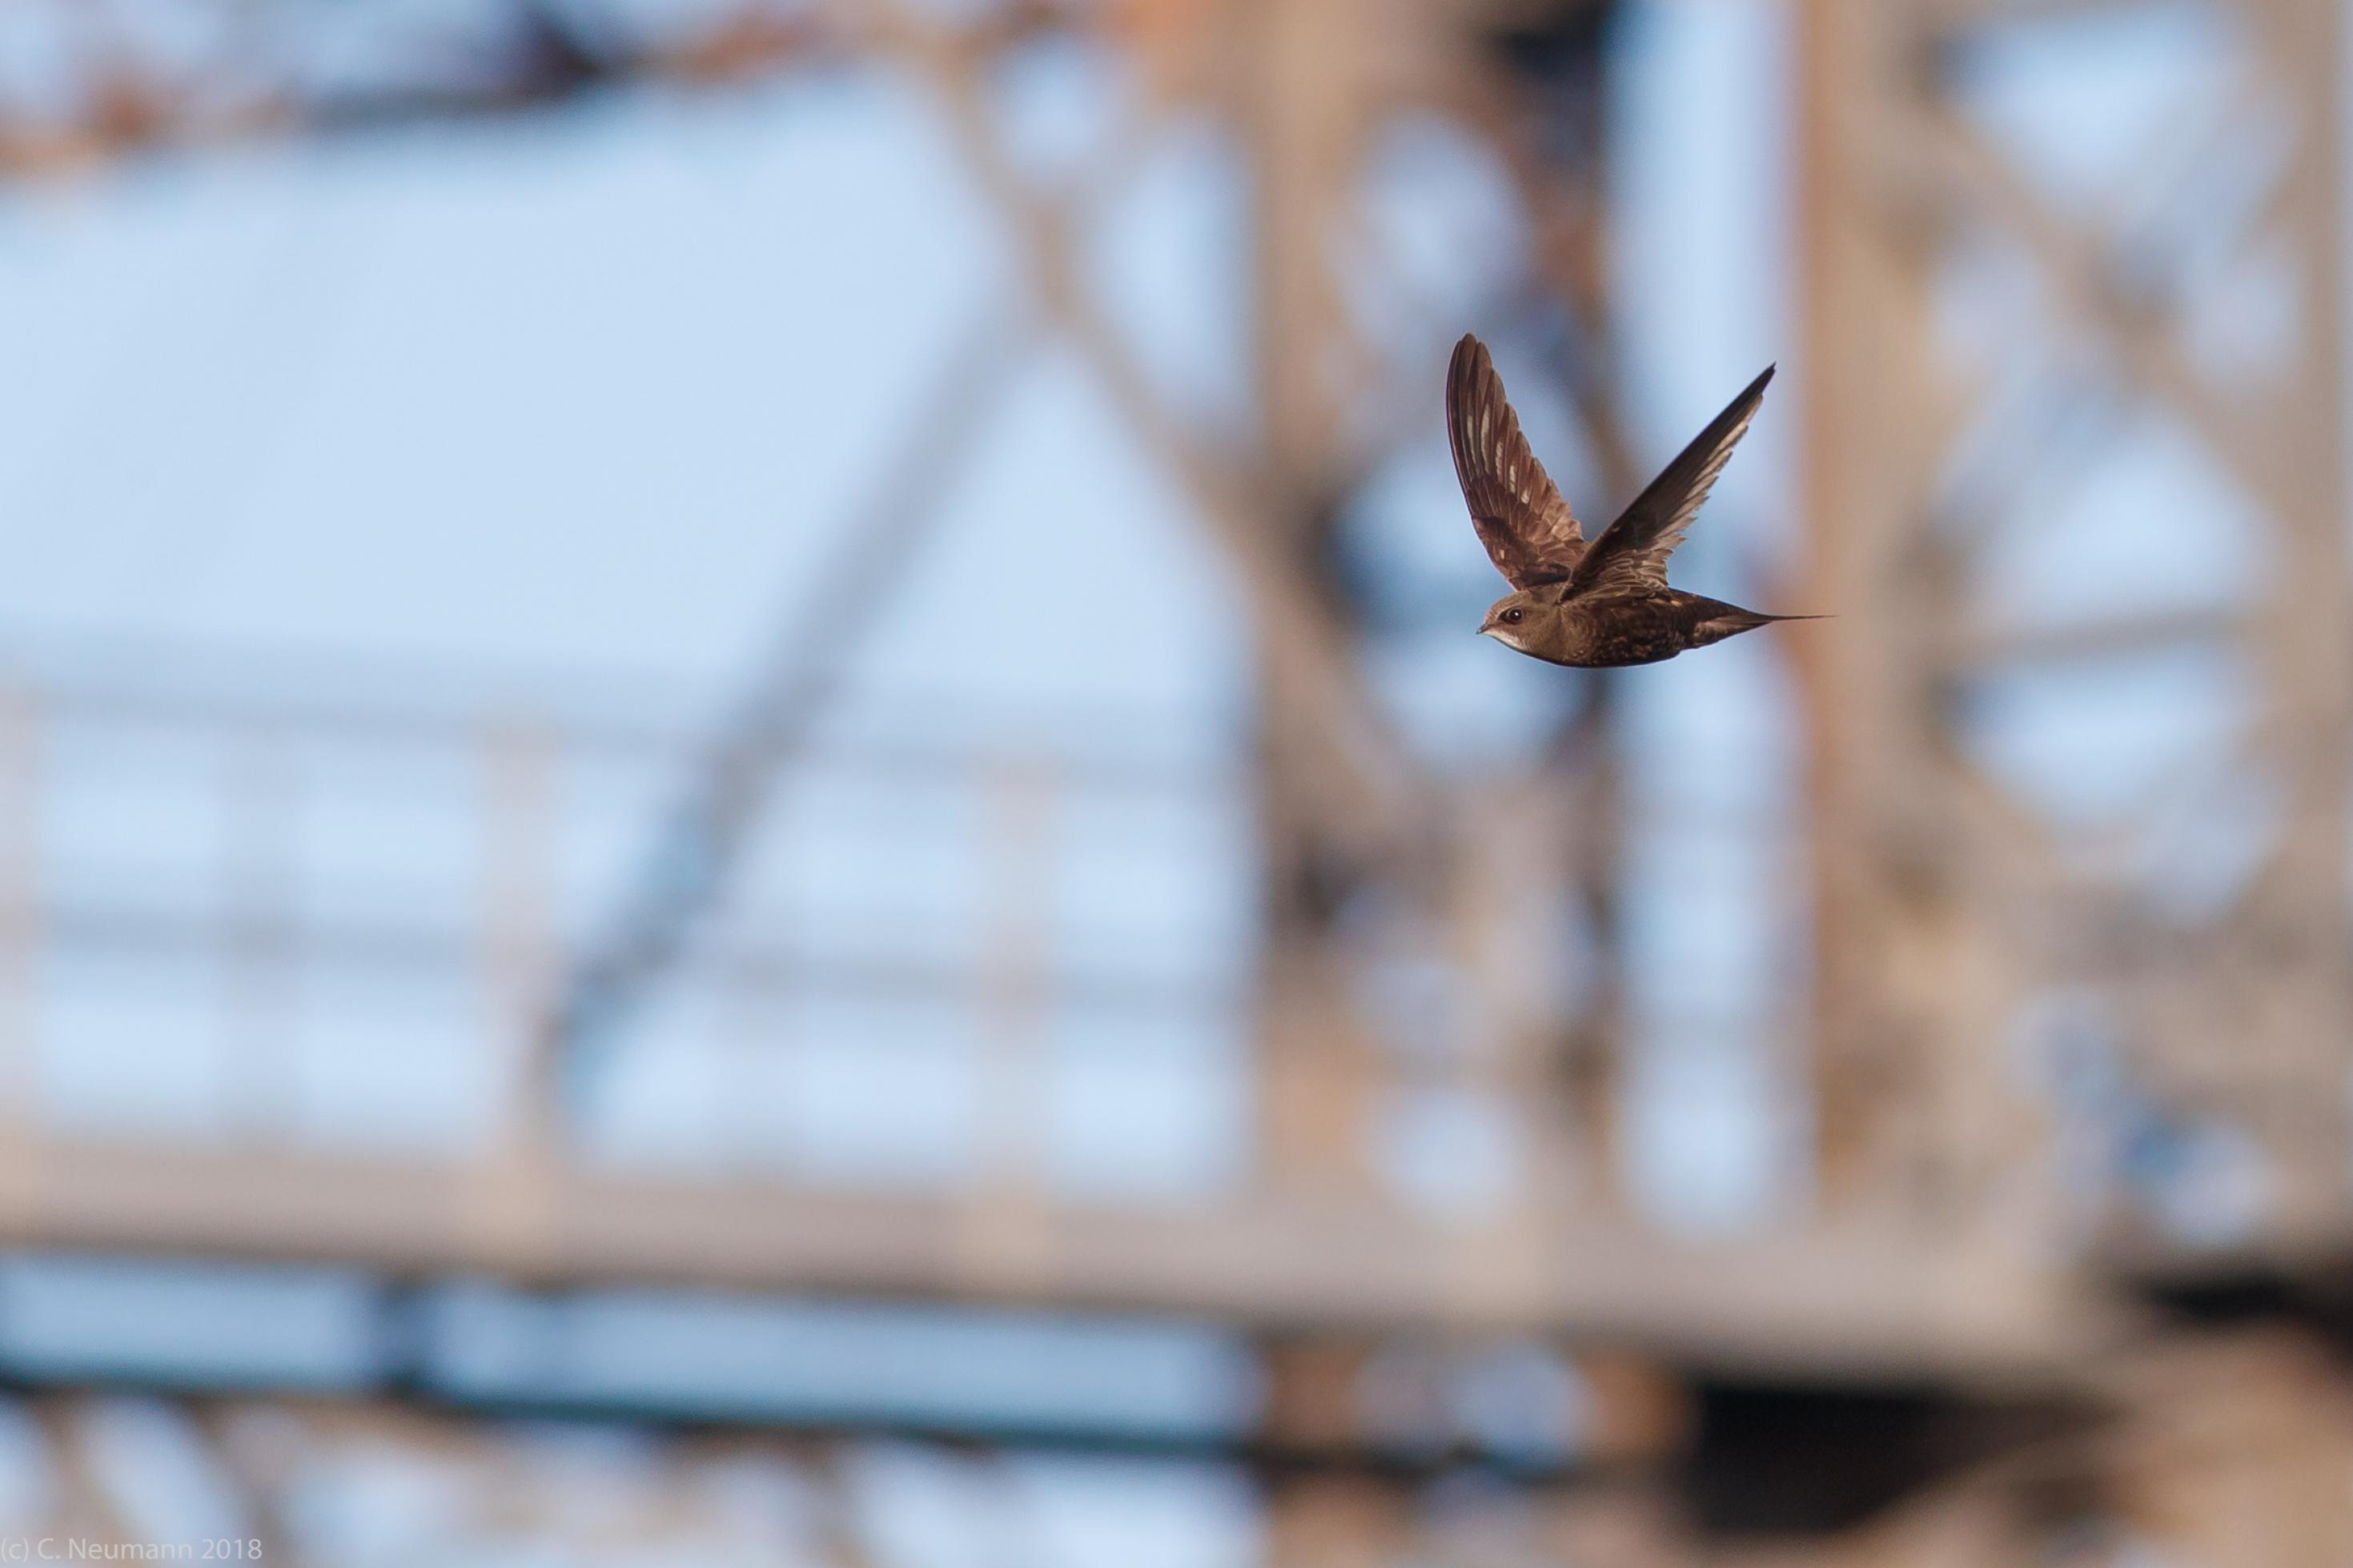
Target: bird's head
{"x": 1508, "y": 618}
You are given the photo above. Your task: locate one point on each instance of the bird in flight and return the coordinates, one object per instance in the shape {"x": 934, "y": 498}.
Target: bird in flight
{"x": 1591, "y": 604}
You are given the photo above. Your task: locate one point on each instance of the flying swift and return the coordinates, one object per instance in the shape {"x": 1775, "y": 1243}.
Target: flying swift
{"x": 1598, "y": 604}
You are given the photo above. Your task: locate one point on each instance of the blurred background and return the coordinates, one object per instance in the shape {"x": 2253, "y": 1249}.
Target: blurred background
{"x": 747, "y": 815}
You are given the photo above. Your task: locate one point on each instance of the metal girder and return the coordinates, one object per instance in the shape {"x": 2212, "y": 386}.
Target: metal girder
{"x": 1837, "y": 1303}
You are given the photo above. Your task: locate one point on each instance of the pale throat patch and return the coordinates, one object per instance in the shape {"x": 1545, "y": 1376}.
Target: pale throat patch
{"x": 1508, "y": 635}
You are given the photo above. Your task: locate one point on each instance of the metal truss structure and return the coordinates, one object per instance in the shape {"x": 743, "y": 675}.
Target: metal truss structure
{"x": 1959, "y": 1293}
{"x": 2192, "y": 919}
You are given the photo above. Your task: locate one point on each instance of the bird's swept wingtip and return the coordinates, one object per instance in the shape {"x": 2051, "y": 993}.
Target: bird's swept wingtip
{"x": 1466, "y": 367}
{"x": 1753, "y": 394}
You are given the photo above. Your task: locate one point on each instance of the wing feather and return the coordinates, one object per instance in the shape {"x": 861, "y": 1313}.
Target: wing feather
{"x": 1631, "y": 553}
{"x": 1528, "y": 530}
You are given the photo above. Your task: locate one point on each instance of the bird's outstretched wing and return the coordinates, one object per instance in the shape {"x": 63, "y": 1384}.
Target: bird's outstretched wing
{"x": 1528, "y": 530}
{"x": 1631, "y": 553}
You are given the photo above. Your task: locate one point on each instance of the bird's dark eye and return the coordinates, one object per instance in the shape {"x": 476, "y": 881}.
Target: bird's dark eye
{"x": 1512, "y": 617}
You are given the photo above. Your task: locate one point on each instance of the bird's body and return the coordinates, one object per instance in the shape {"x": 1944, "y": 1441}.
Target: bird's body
{"x": 1599, "y": 604}
{"x": 1606, "y": 633}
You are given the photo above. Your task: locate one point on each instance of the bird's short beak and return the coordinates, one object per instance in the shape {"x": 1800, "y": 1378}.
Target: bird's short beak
{"x": 1488, "y": 630}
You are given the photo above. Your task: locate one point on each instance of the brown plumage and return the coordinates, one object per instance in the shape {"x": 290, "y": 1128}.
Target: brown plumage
{"x": 1594, "y": 604}
{"x": 1528, "y": 530}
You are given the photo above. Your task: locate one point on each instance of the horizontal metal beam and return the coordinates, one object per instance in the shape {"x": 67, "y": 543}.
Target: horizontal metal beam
{"x": 1270, "y": 1458}
{"x": 1831, "y": 1302}
{"x": 419, "y": 952}
{"x": 133, "y": 89}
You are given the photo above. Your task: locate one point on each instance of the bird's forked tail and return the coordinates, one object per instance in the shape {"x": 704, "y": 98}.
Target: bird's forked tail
{"x": 1732, "y": 620}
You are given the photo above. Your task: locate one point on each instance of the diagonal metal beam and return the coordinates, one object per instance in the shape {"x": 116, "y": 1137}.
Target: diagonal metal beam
{"x": 693, "y": 849}
{"x": 1380, "y": 802}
